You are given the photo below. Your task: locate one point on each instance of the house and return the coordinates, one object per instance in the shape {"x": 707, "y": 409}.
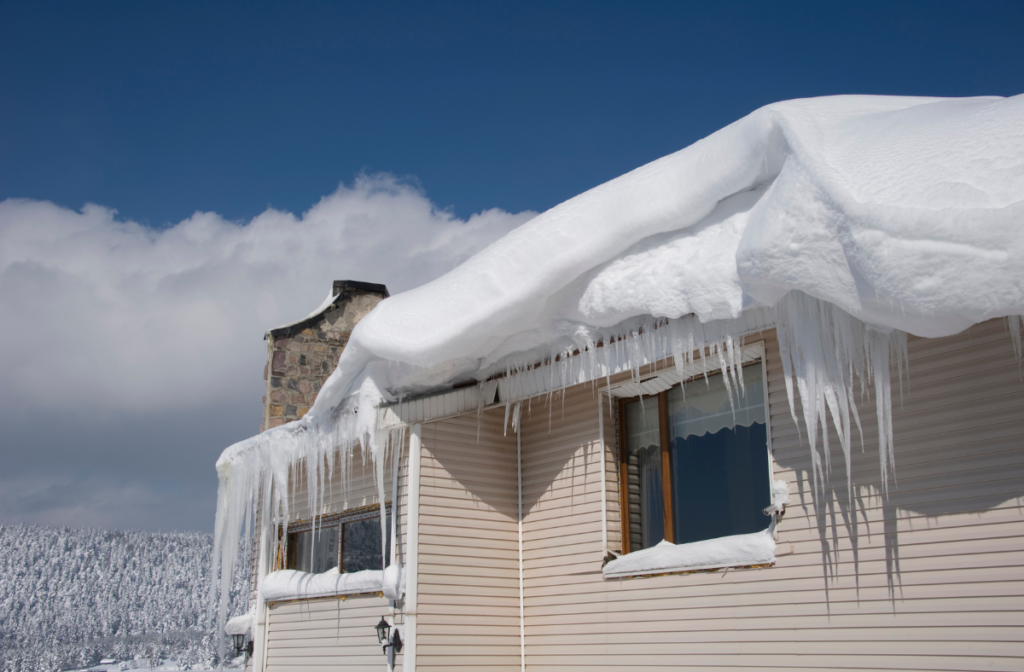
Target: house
{"x": 756, "y": 405}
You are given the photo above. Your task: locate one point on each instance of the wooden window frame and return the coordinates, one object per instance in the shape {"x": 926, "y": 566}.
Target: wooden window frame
{"x": 338, "y": 520}
{"x": 663, "y": 431}
{"x": 666, "y": 473}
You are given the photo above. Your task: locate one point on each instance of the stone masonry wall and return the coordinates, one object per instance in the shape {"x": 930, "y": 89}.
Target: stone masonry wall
{"x": 298, "y": 368}
{"x": 300, "y": 359}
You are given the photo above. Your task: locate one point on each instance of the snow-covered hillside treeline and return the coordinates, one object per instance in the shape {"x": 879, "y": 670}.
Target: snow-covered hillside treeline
{"x": 70, "y": 597}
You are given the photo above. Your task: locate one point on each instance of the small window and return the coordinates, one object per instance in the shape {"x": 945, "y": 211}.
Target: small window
{"x": 696, "y": 463}
{"x": 350, "y": 540}
{"x": 312, "y": 550}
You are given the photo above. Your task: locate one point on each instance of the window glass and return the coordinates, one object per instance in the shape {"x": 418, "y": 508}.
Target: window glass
{"x": 643, "y": 445}
{"x": 317, "y": 550}
{"x": 314, "y": 550}
{"x": 719, "y": 457}
{"x": 360, "y": 545}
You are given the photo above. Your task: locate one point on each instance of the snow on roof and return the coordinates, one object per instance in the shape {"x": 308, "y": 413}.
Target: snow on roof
{"x": 851, "y": 199}
{"x": 853, "y": 220}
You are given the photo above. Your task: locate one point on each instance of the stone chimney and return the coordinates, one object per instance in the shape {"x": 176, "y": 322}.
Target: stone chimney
{"x": 301, "y": 355}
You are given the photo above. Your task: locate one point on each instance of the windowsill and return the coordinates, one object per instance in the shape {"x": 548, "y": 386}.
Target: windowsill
{"x": 740, "y": 550}
{"x": 291, "y": 584}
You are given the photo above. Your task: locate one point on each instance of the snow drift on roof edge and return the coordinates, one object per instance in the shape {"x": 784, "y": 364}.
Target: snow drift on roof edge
{"x": 869, "y": 192}
{"x": 906, "y": 213}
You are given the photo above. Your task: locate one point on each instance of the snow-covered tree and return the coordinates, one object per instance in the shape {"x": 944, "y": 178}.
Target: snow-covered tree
{"x": 70, "y": 597}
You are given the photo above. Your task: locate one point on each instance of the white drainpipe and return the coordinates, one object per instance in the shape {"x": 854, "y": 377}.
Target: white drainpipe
{"x": 522, "y": 613}
{"x": 412, "y": 569}
{"x": 604, "y": 475}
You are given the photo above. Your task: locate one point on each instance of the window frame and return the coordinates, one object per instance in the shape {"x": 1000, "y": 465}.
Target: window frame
{"x": 338, "y": 520}
{"x": 664, "y": 433}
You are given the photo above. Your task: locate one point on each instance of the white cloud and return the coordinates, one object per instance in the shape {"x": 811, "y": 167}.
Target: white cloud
{"x": 111, "y": 316}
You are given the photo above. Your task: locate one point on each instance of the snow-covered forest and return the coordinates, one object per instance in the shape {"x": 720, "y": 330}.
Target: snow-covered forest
{"x": 71, "y": 597}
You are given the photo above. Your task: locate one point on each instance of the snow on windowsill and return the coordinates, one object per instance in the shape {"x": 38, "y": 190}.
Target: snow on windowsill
{"x": 290, "y": 584}
{"x": 738, "y": 550}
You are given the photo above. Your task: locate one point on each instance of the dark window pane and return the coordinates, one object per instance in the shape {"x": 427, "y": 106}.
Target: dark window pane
{"x": 314, "y": 550}
{"x": 719, "y": 457}
{"x": 360, "y": 547}
{"x": 643, "y": 445}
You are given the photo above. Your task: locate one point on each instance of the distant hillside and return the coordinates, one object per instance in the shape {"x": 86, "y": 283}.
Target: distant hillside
{"x": 69, "y": 597}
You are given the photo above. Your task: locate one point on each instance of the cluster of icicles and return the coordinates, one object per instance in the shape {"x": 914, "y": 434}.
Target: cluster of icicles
{"x": 824, "y": 353}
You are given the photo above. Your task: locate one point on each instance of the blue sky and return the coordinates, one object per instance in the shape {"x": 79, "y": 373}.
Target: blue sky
{"x": 132, "y": 351}
{"x": 160, "y": 109}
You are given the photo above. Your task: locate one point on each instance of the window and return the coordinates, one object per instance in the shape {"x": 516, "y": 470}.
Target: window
{"x": 350, "y": 539}
{"x": 695, "y": 464}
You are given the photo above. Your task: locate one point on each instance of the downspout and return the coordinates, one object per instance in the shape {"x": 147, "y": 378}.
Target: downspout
{"x": 522, "y": 615}
{"x": 604, "y": 477}
{"x": 396, "y": 456}
{"x": 411, "y": 580}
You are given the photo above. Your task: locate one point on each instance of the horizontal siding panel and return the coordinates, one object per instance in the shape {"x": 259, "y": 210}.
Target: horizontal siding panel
{"x": 839, "y": 627}
{"x": 980, "y": 649}
{"x": 979, "y": 635}
{"x": 817, "y": 661}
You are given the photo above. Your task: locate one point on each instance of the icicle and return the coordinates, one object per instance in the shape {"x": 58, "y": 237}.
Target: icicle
{"x": 823, "y": 350}
{"x": 392, "y": 579}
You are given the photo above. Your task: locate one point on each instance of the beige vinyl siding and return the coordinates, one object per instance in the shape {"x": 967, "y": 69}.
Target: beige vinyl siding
{"x": 930, "y": 579}
{"x": 468, "y": 572}
{"x": 326, "y": 635}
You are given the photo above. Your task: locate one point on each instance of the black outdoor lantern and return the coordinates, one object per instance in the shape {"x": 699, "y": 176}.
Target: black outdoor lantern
{"x": 383, "y": 630}
{"x": 239, "y": 643}
{"x": 387, "y": 639}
